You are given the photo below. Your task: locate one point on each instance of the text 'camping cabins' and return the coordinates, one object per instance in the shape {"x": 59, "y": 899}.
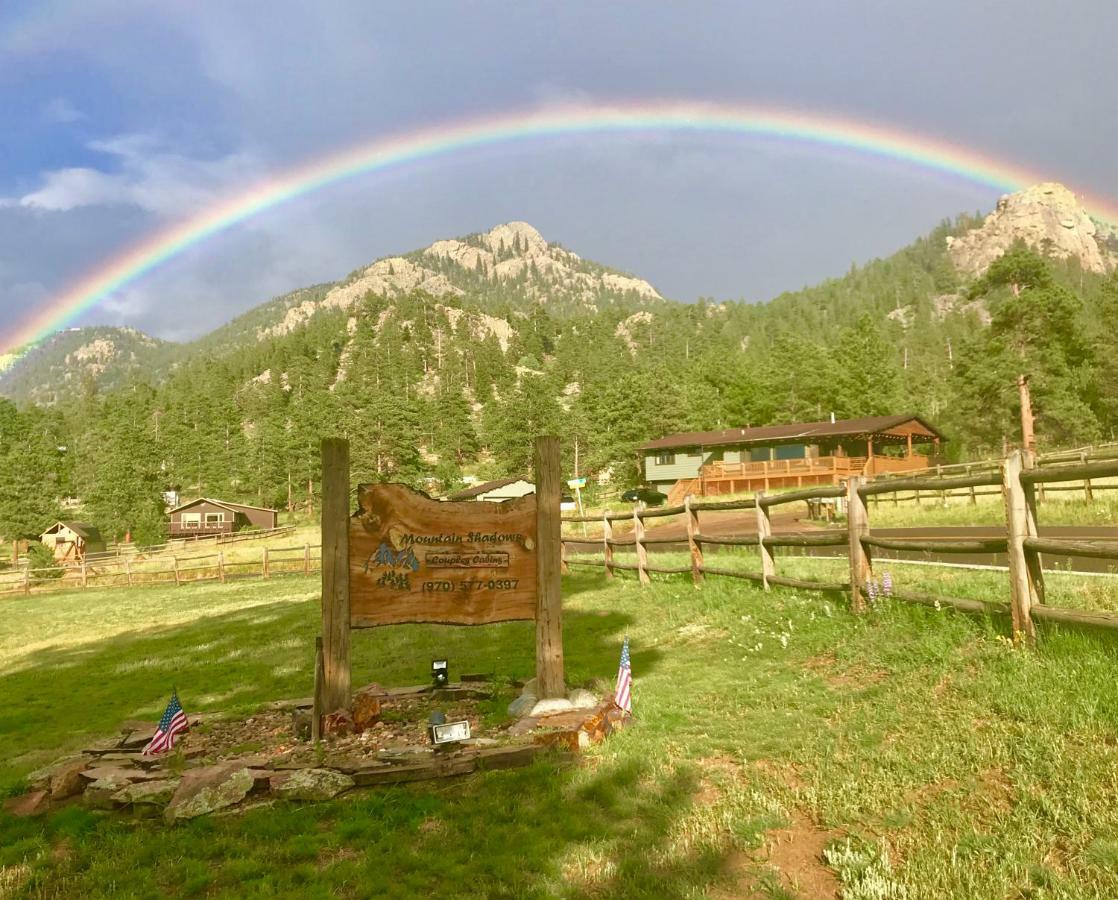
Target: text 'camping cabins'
{"x": 208, "y": 517}
{"x": 786, "y": 456}
{"x": 71, "y": 541}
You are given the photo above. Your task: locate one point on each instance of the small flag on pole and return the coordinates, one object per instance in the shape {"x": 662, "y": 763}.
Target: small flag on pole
{"x": 623, "y": 696}
{"x": 173, "y": 721}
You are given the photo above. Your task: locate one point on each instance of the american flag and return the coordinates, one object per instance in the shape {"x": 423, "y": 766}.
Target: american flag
{"x": 173, "y": 721}
{"x": 623, "y": 696}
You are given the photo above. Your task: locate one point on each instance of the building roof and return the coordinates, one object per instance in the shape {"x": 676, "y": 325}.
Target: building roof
{"x": 484, "y": 488}
{"x": 224, "y": 504}
{"x": 82, "y": 529}
{"x": 797, "y": 432}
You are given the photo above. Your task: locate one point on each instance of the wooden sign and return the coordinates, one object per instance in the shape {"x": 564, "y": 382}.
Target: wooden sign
{"x": 414, "y": 559}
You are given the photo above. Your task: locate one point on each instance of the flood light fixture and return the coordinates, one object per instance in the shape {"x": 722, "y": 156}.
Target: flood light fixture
{"x": 440, "y": 672}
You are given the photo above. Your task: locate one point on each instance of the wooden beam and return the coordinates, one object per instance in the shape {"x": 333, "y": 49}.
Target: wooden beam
{"x": 335, "y": 575}
{"x": 764, "y": 530}
{"x": 549, "y": 610}
{"x": 692, "y": 518}
{"x": 642, "y": 550}
{"x": 858, "y": 528}
{"x": 607, "y": 544}
{"x": 1026, "y": 580}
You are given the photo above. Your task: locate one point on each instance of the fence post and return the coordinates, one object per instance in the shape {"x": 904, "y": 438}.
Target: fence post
{"x": 264, "y": 561}
{"x": 692, "y": 520}
{"x": 1088, "y": 491}
{"x": 27, "y": 579}
{"x": 858, "y": 526}
{"x": 563, "y": 567}
{"x": 550, "y": 680}
{"x": 642, "y": 551}
{"x": 317, "y": 710}
{"x": 764, "y": 530}
{"x": 128, "y": 571}
{"x": 335, "y": 574}
{"x": 221, "y": 565}
{"x": 85, "y": 578}
{"x": 175, "y": 567}
{"x": 306, "y": 558}
{"x": 1025, "y": 578}
{"x": 607, "y": 543}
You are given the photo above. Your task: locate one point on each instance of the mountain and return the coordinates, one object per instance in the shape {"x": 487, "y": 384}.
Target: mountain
{"x": 1047, "y": 218}
{"x": 79, "y": 358}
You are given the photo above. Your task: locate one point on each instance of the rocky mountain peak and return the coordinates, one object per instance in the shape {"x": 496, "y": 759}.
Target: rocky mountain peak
{"x": 1049, "y": 218}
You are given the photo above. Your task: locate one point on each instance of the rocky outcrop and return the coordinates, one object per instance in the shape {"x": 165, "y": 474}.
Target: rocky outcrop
{"x": 1048, "y": 218}
{"x": 313, "y": 785}
{"x": 203, "y": 791}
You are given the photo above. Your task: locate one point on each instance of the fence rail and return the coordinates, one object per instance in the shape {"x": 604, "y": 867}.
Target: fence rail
{"x": 1019, "y": 478}
{"x": 302, "y": 559}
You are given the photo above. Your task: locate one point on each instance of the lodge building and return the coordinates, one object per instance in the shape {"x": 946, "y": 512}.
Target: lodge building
{"x": 797, "y": 454}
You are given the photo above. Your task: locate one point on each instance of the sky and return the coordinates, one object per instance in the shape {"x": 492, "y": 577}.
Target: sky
{"x": 122, "y": 118}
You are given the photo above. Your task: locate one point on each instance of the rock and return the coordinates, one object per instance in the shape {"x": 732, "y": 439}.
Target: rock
{"x": 149, "y": 793}
{"x": 551, "y": 705}
{"x": 119, "y": 773}
{"x": 337, "y": 724}
{"x": 139, "y": 737}
{"x": 67, "y": 781}
{"x": 522, "y": 705}
{"x": 313, "y": 785}
{"x": 211, "y": 788}
{"x": 1048, "y": 218}
{"x": 40, "y": 778}
{"x": 366, "y": 709}
{"x": 30, "y": 804}
{"x": 529, "y": 687}
{"x": 479, "y": 742}
{"x": 582, "y": 699}
{"x": 301, "y": 720}
{"x": 99, "y": 793}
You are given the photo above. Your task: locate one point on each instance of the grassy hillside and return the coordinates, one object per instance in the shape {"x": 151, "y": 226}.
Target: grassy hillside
{"x": 781, "y": 748}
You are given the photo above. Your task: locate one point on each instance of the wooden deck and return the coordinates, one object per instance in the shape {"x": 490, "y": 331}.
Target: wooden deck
{"x": 736, "y": 478}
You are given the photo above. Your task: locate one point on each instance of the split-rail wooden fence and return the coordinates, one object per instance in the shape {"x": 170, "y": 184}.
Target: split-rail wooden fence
{"x": 1019, "y": 478}
{"x": 165, "y": 568}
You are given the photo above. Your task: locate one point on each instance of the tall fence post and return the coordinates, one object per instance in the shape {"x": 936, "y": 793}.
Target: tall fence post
{"x": 642, "y": 551}
{"x": 764, "y": 530}
{"x": 317, "y": 704}
{"x": 858, "y": 527}
{"x": 607, "y": 543}
{"x": 85, "y": 576}
{"x": 307, "y": 558}
{"x": 1025, "y": 578}
{"x": 335, "y": 575}
{"x": 264, "y": 561}
{"x": 175, "y": 567}
{"x": 221, "y": 566}
{"x": 1088, "y": 491}
{"x": 128, "y": 571}
{"x": 27, "y": 579}
{"x": 550, "y": 680}
{"x": 563, "y": 567}
{"x": 691, "y": 515}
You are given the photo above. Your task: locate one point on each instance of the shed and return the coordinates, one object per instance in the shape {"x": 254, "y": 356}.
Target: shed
{"x": 205, "y": 516}
{"x": 71, "y": 541}
{"x": 495, "y": 491}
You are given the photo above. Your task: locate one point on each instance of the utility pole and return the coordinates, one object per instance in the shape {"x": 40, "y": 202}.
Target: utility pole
{"x": 1028, "y": 435}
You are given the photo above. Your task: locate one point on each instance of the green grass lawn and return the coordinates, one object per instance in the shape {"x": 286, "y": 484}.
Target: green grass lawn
{"x": 922, "y": 754}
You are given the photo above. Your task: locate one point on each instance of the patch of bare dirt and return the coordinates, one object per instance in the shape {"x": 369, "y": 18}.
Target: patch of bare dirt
{"x": 826, "y": 666}
{"x": 795, "y": 853}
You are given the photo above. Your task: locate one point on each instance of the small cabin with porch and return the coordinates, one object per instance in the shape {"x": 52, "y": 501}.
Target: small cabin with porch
{"x": 205, "y": 517}
{"x": 797, "y": 454}
{"x": 495, "y": 491}
{"x": 71, "y": 541}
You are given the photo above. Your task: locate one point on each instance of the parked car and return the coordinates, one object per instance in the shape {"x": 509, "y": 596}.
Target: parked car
{"x": 647, "y": 496}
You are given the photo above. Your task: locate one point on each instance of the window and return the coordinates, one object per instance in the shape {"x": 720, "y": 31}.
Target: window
{"x": 665, "y": 459}
{"x": 191, "y": 520}
{"x": 215, "y": 518}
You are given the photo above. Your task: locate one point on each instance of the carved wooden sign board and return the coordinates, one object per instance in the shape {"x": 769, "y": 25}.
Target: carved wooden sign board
{"x": 414, "y": 559}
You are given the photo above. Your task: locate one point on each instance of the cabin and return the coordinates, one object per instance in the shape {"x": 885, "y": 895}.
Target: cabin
{"x": 495, "y": 491}
{"x": 796, "y": 454}
{"x": 71, "y": 541}
{"x": 205, "y": 517}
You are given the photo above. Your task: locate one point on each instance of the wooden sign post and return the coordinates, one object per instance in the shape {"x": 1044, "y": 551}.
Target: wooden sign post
{"x": 403, "y": 557}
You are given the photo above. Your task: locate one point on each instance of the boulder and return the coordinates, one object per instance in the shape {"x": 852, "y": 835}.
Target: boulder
{"x": 100, "y": 792}
{"x": 522, "y": 705}
{"x": 40, "y": 778}
{"x": 147, "y": 793}
{"x": 582, "y": 699}
{"x": 30, "y": 804}
{"x": 67, "y": 780}
{"x": 301, "y": 720}
{"x": 529, "y": 687}
{"x": 366, "y": 709}
{"x": 313, "y": 785}
{"x": 204, "y": 790}
{"x": 551, "y": 706}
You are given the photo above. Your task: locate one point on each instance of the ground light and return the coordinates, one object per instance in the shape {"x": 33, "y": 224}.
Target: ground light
{"x": 440, "y": 672}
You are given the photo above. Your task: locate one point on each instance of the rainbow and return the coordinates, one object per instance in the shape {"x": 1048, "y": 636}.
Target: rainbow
{"x": 383, "y": 153}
